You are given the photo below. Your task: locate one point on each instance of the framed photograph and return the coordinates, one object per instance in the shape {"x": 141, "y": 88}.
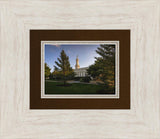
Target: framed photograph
{"x": 91, "y": 67}
{"x": 109, "y": 86}
{"x": 80, "y": 69}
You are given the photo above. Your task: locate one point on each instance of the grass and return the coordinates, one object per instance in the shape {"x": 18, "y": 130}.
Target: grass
{"x": 75, "y": 88}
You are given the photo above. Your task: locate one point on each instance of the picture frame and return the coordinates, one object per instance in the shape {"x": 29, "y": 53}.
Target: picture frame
{"x": 17, "y": 120}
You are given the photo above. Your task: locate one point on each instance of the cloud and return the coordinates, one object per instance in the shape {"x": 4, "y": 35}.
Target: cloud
{"x": 57, "y": 45}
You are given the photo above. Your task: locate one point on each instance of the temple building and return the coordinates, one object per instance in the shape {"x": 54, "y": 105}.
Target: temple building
{"x": 80, "y": 72}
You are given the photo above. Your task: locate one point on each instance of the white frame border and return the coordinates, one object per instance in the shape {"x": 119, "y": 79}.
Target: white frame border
{"x": 43, "y": 95}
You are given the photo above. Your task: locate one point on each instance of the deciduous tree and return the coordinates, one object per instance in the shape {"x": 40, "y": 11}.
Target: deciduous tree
{"x": 47, "y": 70}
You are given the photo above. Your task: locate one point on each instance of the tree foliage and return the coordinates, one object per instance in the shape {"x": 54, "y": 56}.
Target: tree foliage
{"x": 63, "y": 68}
{"x": 47, "y": 70}
{"x": 104, "y": 66}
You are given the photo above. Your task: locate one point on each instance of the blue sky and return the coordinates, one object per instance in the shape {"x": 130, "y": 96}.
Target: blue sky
{"x": 85, "y": 52}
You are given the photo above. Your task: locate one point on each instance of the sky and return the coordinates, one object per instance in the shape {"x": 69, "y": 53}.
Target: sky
{"x": 85, "y": 53}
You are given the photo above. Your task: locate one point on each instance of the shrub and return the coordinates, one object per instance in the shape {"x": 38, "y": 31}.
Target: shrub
{"x": 81, "y": 80}
{"x": 77, "y": 78}
{"x": 86, "y": 79}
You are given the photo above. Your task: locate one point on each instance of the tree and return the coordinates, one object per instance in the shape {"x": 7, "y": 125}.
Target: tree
{"x": 104, "y": 66}
{"x": 63, "y": 67}
{"x": 57, "y": 74}
{"x": 47, "y": 70}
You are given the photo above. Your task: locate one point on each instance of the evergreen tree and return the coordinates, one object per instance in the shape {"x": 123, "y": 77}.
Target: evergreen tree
{"x": 104, "y": 66}
{"x": 63, "y": 66}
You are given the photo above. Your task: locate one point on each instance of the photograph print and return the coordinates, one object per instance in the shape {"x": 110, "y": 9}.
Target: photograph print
{"x": 80, "y": 69}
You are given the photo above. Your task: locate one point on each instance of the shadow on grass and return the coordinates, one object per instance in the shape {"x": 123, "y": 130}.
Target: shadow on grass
{"x": 64, "y": 85}
{"x": 105, "y": 91}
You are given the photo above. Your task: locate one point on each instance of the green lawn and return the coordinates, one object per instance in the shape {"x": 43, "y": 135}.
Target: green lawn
{"x": 76, "y": 88}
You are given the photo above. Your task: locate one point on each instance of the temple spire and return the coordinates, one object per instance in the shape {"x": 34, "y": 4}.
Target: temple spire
{"x": 77, "y": 63}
